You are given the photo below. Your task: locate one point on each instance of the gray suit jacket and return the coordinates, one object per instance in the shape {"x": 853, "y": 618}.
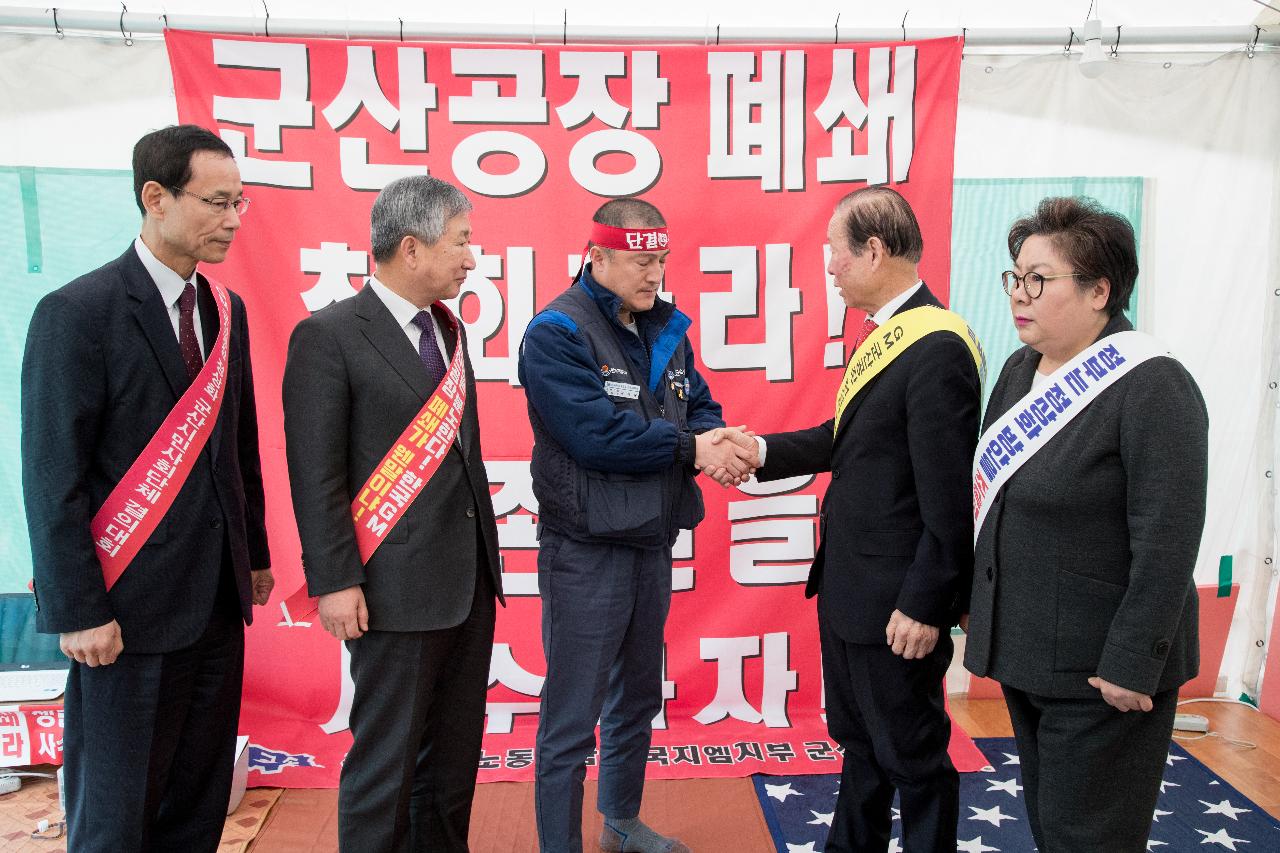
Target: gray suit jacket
{"x": 352, "y": 383}
{"x": 1084, "y": 565}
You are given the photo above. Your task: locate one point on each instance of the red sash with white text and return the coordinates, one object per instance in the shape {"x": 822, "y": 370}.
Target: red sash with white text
{"x": 144, "y": 494}
{"x": 404, "y": 471}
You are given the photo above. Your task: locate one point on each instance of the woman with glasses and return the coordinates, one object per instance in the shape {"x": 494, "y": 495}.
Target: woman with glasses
{"x": 1090, "y": 494}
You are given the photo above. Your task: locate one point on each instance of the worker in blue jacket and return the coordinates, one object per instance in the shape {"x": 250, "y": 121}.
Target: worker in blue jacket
{"x": 622, "y": 423}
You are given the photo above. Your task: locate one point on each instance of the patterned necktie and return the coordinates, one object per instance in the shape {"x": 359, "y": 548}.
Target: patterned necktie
{"x": 428, "y": 350}
{"x": 868, "y": 326}
{"x": 187, "y": 341}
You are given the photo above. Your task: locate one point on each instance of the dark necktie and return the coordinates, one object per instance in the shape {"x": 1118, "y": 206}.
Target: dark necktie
{"x": 868, "y": 326}
{"x": 428, "y": 350}
{"x": 187, "y": 341}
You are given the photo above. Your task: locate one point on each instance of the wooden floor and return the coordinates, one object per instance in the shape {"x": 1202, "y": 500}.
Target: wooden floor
{"x": 1255, "y": 772}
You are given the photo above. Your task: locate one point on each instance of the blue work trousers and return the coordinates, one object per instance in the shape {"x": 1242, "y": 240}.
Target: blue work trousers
{"x": 603, "y": 612}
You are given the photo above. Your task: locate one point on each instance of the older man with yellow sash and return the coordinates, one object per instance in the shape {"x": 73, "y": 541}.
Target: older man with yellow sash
{"x": 893, "y": 568}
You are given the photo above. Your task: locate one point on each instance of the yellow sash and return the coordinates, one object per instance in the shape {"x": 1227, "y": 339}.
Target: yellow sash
{"x": 892, "y": 339}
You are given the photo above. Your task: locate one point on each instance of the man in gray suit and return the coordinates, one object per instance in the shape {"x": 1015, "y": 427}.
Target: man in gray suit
{"x": 418, "y": 613}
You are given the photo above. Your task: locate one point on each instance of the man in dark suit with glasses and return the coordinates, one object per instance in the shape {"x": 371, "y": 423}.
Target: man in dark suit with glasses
{"x": 152, "y": 613}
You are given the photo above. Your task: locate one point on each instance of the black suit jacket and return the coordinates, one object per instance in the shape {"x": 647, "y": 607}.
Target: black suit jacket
{"x": 352, "y": 383}
{"x": 1086, "y": 558}
{"x": 101, "y": 371}
{"x": 896, "y": 524}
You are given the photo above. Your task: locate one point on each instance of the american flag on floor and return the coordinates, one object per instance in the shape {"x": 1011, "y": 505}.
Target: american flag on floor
{"x": 1197, "y": 811}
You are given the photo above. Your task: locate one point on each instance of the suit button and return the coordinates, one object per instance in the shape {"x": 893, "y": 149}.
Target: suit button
{"x": 471, "y": 512}
{"x": 1161, "y": 648}
{"x": 835, "y": 474}
{"x": 990, "y": 573}
{"x": 216, "y": 523}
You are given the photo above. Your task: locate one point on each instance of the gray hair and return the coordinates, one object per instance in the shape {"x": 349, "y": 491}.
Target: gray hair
{"x": 417, "y": 205}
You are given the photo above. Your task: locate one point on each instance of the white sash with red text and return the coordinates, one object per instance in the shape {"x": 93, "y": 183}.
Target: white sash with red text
{"x": 144, "y": 494}
{"x": 403, "y": 472}
{"x": 1033, "y": 421}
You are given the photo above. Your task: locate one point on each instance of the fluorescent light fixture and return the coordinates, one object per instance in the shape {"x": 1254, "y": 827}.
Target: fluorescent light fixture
{"x": 1094, "y": 61}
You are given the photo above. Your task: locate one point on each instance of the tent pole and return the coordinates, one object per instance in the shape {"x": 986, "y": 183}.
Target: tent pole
{"x": 108, "y": 24}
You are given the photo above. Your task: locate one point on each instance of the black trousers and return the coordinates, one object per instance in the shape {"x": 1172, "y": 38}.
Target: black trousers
{"x": 1091, "y": 773}
{"x": 149, "y": 743}
{"x": 890, "y": 716}
{"x": 417, "y": 717}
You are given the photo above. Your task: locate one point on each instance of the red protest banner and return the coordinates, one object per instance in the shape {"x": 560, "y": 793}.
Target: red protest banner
{"x": 746, "y": 150}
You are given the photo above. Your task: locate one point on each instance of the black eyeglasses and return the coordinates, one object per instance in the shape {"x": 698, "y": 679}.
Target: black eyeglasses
{"x": 1032, "y": 282}
{"x": 221, "y": 205}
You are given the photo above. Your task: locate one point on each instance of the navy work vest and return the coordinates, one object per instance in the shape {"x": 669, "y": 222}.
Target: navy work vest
{"x": 644, "y": 510}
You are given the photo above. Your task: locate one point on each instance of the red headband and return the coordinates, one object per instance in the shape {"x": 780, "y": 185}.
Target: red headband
{"x": 629, "y": 239}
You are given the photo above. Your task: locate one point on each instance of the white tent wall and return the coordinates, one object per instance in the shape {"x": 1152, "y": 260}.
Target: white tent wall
{"x": 80, "y": 103}
{"x": 1202, "y": 131}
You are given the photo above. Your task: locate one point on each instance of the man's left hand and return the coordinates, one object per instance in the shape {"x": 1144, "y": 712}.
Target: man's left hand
{"x": 1121, "y": 698}
{"x": 909, "y": 638}
{"x": 262, "y": 583}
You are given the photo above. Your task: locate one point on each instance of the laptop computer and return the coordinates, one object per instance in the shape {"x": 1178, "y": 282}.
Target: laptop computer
{"x": 32, "y": 666}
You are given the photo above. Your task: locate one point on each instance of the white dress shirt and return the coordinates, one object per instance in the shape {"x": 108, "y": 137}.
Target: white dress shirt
{"x": 170, "y": 285}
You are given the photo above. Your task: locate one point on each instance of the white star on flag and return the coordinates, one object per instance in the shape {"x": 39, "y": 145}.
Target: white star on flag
{"x": 1009, "y": 786}
{"x": 781, "y": 792}
{"x": 1013, "y": 759}
{"x": 1159, "y": 814}
{"x": 992, "y": 815}
{"x": 824, "y": 819}
{"x": 1221, "y": 837}
{"x": 1224, "y": 808}
{"x": 1164, "y": 783}
{"x": 975, "y": 846}
{"x": 801, "y": 848}
{"x": 1172, "y": 758}
{"x": 1153, "y": 843}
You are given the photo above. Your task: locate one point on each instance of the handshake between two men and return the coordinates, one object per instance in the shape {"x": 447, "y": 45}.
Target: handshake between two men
{"x": 728, "y": 455}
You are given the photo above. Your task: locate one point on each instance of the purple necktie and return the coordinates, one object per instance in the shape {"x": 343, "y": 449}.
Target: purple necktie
{"x": 428, "y": 350}
{"x": 187, "y": 332}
